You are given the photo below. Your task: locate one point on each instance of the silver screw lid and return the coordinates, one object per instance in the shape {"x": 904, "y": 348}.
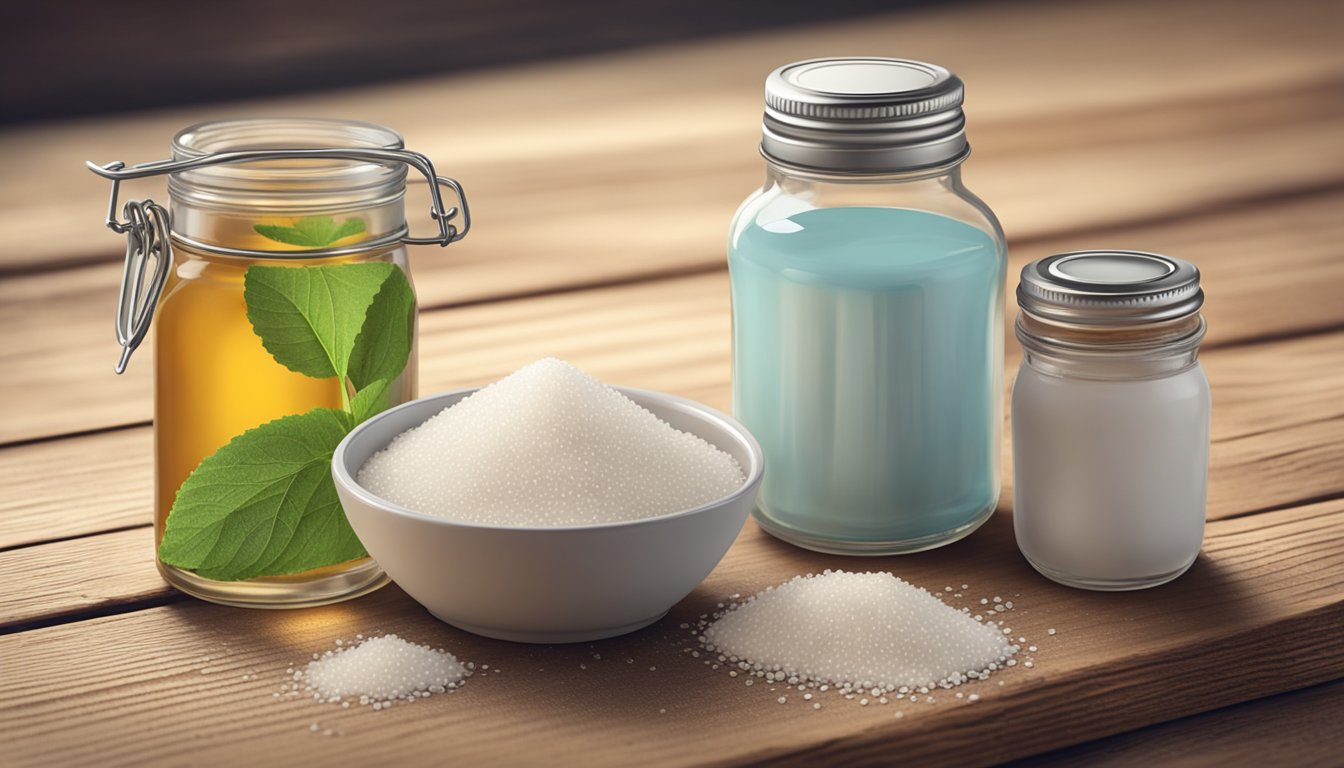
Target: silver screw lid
{"x": 863, "y": 115}
{"x": 1110, "y": 288}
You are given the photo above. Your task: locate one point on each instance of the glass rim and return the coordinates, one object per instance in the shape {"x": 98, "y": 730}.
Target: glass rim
{"x": 290, "y": 183}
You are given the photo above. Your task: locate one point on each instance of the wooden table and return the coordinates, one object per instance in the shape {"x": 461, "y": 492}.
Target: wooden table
{"x": 602, "y": 190}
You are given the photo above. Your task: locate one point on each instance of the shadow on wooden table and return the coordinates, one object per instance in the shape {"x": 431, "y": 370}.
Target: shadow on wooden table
{"x": 631, "y": 682}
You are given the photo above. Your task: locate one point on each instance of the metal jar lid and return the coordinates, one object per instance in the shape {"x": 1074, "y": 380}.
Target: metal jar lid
{"x": 863, "y": 115}
{"x": 1109, "y": 288}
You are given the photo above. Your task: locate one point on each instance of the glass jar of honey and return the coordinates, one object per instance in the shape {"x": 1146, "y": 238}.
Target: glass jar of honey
{"x": 277, "y": 193}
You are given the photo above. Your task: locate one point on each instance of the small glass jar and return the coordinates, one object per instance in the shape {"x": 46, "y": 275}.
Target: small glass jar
{"x": 867, "y": 287}
{"x": 245, "y": 193}
{"x": 1110, "y": 419}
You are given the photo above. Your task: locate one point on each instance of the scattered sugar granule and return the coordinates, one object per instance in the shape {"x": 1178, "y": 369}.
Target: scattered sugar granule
{"x": 858, "y": 631}
{"x": 549, "y": 445}
{"x": 379, "y": 671}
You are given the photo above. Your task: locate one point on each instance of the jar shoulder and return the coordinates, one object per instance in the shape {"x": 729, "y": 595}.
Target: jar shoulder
{"x": 775, "y": 202}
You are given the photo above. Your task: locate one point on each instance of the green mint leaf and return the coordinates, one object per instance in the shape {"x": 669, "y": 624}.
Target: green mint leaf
{"x": 308, "y": 317}
{"x": 264, "y": 504}
{"x": 349, "y": 227}
{"x": 287, "y": 235}
{"x": 311, "y": 231}
{"x": 384, "y": 342}
{"x": 371, "y": 400}
{"x": 319, "y": 229}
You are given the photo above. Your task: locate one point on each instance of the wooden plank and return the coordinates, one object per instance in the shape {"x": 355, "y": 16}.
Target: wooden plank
{"x": 674, "y": 335}
{"x": 1266, "y": 589}
{"x": 1276, "y": 437}
{"x": 1269, "y": 269}
{"x": 64, "y": 488}
{"x": 47, "y": 389}
{"x": 1299, "y": 729}
{"x": 62, "y": 580}
{"x": 1062, "y": 135}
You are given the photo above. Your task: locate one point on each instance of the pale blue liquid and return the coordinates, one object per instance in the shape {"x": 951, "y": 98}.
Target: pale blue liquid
{"x": 866, "y": 360}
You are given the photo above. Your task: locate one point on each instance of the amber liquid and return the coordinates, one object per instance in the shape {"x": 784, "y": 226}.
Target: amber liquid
{"x": 214, "y": 381}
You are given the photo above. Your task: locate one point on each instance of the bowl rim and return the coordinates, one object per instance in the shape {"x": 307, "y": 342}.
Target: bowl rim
{"x": 343, "y": 478}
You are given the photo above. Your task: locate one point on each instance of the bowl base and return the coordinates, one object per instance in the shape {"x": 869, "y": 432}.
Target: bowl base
{"x": 549, "y": 638}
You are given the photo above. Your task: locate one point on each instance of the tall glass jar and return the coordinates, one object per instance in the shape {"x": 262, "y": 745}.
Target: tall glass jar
{"x": 867, "y": 286}
{"x": 1110, "y": 419}
{"x": 245, "y": 193}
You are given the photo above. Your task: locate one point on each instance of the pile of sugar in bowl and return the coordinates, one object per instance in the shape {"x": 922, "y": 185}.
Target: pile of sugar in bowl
{"x": 549, "y": 446}
{"x": 865, "y": 632}
{"x": 379, "y": 671}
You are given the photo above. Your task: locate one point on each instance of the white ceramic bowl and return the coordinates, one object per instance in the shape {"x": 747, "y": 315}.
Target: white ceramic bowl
{"x": 547, "y": 585}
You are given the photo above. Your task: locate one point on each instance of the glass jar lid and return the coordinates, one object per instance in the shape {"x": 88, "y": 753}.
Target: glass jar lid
{"x": 1110, "y": 288}
{"x": 863, "y": 115}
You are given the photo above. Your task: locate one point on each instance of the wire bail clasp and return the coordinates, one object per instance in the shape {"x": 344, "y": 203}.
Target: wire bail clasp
{"x": 148, "y": 232}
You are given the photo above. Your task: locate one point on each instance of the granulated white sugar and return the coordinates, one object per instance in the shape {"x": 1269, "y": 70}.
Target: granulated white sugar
{"x": 380, "y": 671}
{"x": 549, "y": 445}
{"x": 857, "y": 631}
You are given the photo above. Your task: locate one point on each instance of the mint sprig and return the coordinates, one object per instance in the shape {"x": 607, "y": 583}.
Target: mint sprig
{"x": 265, "y": 504}
{"x": 311, "y": 231}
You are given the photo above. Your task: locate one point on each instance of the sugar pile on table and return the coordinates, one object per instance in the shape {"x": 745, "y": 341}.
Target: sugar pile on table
{"x": 857, "y": 630}
{"x": 549, "y": 445}
{"x": 379, "y": 671}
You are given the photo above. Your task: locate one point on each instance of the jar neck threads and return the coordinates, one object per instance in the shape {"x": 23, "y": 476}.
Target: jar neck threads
{"x": 1152, "y": 350}
{"x": 232, "y": 206}
{"x": 943, "y": 174}
{"x": 1107, "y": 314}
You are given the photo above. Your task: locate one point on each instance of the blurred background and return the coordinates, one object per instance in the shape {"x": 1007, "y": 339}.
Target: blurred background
{"x": 111, "y": 57}
{"x": 607, "y": 143}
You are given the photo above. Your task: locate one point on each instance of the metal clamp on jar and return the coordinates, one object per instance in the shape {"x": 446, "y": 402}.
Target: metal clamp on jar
{"x": 296, "y": 192}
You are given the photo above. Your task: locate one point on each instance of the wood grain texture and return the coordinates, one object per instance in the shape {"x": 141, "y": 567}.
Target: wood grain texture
{"x": 1298, "y": 729}
{"x": 602, "y": 206}
{"x": 79, "y": 577}
{"x": 673, "y": 335}
{"x": 64, "y": 488}
{"x": 1277, "y": 436}
{"x": 587, "y": 156}
{"x": 1270, "y": 270}
{"x": 1267, "y": 588}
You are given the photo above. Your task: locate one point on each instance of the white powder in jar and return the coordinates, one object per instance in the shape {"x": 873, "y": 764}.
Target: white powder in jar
{"x": 1110, "y": 418}
{"x": 1110, "y": 476}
